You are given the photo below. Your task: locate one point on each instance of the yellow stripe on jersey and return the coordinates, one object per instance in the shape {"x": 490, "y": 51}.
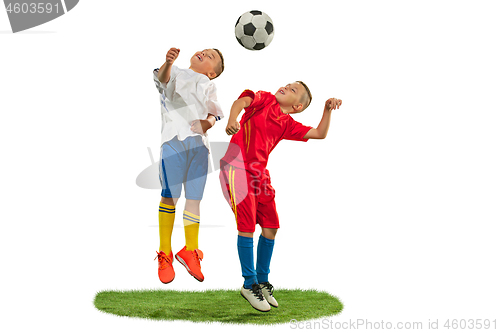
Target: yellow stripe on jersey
{"x": 232, "y": 192}
{"x": 230, "y": 188}
{"x": 253, "y": 111}
{"x": 245, "y": 131}
{"x": 246, "y": 134}
{"x": 249, "y": 130}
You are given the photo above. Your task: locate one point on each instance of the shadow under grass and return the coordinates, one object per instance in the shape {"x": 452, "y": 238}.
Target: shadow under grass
{"x": 224, "y": 306}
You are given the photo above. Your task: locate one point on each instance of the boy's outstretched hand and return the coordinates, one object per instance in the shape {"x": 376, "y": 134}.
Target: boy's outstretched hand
{"x": 172, "y": 54}
{"x": 332, "y": 104}
{"x": 321, "y": 131}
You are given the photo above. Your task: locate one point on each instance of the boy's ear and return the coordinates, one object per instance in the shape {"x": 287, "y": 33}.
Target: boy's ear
{"x": 212, "y": 74}
{"x": 297, "y": 107}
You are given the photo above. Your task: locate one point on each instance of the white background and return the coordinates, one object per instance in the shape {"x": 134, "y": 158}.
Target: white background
{"x": 395, "y": 212}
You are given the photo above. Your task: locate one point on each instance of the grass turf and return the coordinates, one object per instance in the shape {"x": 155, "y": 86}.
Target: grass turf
{"x": 224, "y": 306}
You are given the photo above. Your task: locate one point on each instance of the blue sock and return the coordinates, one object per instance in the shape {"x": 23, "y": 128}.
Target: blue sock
{"x": 245, "y": 252}
{"x": 264, "y": 254}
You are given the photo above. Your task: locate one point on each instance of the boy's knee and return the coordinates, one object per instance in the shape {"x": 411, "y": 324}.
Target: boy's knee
{"x": 193, "y": 206}
{"x": 169, "y": 201}
{"x": 245, "y": 234}
{"x": 269, "y": 233}
{"x": 192, "y": 203}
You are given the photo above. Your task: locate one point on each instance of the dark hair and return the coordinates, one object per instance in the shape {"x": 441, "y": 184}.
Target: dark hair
{"x": 308, "y": 93}
{"x": 220, "y": 68}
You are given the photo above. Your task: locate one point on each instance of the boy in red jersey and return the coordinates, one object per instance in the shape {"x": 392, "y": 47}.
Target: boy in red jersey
{"x": 246, "y": 183}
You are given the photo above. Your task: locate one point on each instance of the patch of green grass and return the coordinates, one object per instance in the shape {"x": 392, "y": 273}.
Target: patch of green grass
{"x": 224, "y": 306}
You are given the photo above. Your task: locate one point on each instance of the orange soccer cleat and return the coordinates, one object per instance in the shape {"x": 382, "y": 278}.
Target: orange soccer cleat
{"x": 191, "y": 260}
{"x": 165, "y": 270}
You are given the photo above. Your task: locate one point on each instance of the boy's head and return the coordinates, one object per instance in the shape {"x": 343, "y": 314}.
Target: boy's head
{"x": 208, "y": 62}
{"x": 294, "y": 96}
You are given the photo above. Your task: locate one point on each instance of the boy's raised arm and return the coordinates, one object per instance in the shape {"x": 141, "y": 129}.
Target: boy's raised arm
{"x": 166, "y": 68}
{"x": 233, "y": 126}
{"x": 322, "y": 129}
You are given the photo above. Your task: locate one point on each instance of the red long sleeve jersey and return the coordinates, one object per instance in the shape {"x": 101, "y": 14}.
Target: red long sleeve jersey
{"x": 262, "y": 127}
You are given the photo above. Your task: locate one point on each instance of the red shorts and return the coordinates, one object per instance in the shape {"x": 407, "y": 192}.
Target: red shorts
{"x": 251, "y": 198}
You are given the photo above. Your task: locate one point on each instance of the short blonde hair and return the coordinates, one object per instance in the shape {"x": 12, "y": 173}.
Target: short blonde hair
{"x": 220, "y": 67}
{"x": 307, "y": 97}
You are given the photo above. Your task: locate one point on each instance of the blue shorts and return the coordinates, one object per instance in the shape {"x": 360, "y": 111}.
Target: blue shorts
{"x": 183, "y": 162}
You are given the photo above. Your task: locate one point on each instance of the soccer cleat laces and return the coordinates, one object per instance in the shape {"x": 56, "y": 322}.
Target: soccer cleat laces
{"x": 257, "y": 291}
{"x": 269, "y": 287}
{"x": 162, "y": 259}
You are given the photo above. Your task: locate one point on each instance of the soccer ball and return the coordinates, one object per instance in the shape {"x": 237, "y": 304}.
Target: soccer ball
{"x": 254, "y": 30}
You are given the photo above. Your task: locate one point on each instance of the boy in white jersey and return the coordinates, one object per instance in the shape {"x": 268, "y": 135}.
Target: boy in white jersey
{"x": 189, "y": 107}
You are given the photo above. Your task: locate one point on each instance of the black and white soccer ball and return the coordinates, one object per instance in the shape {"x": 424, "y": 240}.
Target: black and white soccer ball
{"x": 254, "y": 30}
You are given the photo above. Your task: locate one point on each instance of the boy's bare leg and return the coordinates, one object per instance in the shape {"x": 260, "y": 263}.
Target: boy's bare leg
{"x": 245, "y": 234}
{"x": 193, "y": 206}
{"x": 269, "y": 233}
{"x": 169, "y": 201}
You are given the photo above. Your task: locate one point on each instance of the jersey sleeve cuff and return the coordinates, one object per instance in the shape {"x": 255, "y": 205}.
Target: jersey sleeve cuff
{"x": 306, "y": 130}
{"x": 247, "y": 93}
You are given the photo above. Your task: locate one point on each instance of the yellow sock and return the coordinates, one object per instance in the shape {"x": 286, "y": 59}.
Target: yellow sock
{"x": 191, "y": 229}
{"x": 166, "y": 216}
